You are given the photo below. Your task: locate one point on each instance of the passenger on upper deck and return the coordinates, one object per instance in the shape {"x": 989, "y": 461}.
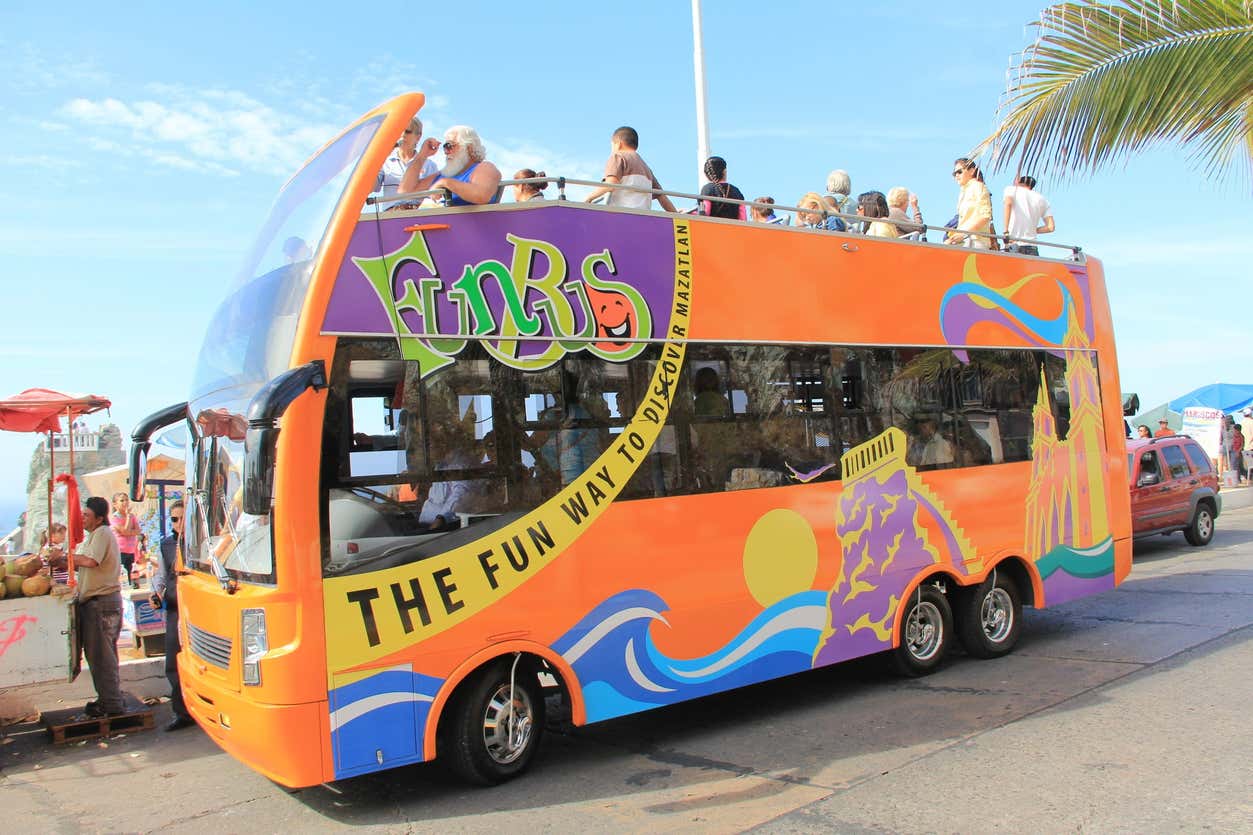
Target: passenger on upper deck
{"x": 466, "y": 172}
{"x": 872, "y": 204}
{"x": 716, "y": 172}
{"x": 1027, "y": 214}
{"x": 898, "y": 198}
{"x": 813, "y": 219}
{"x": 765, "y": 214}
{"x": 626, "y": 167}
{"x": 405, "y": 153}
{"x": 522, "y": 192}
{"x": 839, "y": 187}
{"x": 974, "y": 206}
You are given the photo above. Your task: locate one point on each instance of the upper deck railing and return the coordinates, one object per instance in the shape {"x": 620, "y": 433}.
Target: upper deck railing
{"x": 917, "y": 233}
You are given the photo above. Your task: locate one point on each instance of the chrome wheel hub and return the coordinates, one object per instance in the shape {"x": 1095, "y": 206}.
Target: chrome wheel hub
{"x": 997, "y": 614}
{"x": 507, "y": 724}
{"x": 924, "y": 632}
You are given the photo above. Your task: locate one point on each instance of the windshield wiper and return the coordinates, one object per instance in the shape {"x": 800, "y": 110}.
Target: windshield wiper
{"x": 199, "y": 498}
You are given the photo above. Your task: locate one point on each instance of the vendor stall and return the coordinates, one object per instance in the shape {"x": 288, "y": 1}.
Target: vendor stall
{"x": 37, "y": 636}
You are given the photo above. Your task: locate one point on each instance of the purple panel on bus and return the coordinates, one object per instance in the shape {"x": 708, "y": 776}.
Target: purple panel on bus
{"x": 498, "y": 266}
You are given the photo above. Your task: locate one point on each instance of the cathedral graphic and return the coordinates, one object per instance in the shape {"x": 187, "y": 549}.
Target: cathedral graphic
{"x": 1067, "y": 514}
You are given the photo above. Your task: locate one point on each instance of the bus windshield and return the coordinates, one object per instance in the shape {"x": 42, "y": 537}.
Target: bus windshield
{"x": 250, "y": 337}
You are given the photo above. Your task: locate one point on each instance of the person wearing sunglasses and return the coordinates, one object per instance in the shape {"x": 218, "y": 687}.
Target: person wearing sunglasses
{"x": 402, "y": 156}
{"x": 165, "y": 594}
{"x": 974, "y": 206}
{"x": 467, "y": 175}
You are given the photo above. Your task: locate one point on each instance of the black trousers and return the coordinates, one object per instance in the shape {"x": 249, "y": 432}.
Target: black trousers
{"x": 99, "y": 623}
{"x": 128, "y": 562}
{"x": 172, "y": 649}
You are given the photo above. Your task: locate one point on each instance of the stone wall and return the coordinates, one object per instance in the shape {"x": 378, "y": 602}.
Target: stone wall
{"x": 109, "y": 453}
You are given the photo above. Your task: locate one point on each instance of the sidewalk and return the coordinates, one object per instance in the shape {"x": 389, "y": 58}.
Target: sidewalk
{"x": 1236, "y": 497}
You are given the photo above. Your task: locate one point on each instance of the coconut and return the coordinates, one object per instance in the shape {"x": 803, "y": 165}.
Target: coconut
{"x": 13, "y": 585}
{"x": 27, "y": 566}
{"x": 36, "y": 586}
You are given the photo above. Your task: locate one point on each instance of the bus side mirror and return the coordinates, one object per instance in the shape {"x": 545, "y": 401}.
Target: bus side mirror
{"x": 259, "y": 447}
{"x": 262, "y": 438}
{"x": 137, "y": 472}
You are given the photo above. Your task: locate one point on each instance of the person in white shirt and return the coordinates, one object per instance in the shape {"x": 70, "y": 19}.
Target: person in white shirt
{"x": 402, "y": 156}
{"x": 1027, "y": 214}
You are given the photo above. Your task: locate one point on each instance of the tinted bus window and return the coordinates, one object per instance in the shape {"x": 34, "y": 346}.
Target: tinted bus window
{"x": 475, "y": 444}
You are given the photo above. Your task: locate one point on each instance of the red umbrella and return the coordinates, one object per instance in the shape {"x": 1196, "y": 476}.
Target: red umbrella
{"x": 40, "y": 410}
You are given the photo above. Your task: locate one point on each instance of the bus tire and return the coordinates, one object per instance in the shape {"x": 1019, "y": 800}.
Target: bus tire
{"x": 1201, "y": 529}
{"x": 989, "y": 618}
{"x": 486, "y": 742}
{"x": 926, "y": 632}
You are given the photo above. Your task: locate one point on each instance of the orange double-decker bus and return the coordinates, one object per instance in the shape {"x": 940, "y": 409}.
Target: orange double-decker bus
{"x": 451, "y": 467}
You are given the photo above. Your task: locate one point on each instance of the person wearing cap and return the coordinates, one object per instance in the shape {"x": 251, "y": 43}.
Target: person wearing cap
{"x": 1163, "y": 429}
{"x": 99, "y": 600}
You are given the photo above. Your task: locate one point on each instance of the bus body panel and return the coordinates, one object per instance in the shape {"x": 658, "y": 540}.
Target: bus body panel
{"x": 642, "y": 603}
{"x": 695, "y": 625}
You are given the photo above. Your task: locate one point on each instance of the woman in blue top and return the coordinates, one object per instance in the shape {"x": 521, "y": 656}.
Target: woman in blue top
{"x": 466, "y": 174}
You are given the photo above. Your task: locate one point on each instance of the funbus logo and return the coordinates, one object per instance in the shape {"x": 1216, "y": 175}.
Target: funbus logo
{"x": 528, "y": 314}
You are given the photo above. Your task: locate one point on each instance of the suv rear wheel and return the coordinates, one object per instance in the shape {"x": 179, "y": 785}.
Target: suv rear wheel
{"x": 1201, "y": 529}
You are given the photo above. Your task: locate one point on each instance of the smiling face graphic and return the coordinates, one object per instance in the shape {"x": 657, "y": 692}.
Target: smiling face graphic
{"x": 614, "y": 320}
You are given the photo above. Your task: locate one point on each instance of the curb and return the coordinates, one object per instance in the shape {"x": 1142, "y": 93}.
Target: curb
{"x": 144, "y": 678}
{"x": 1235, "y": 498}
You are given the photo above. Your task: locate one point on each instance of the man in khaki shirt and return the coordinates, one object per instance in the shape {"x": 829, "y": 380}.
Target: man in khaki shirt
{"x": 100, "y": 607}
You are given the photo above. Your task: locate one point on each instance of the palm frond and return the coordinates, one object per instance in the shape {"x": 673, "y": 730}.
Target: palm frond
{"x": 1106, "y": 80}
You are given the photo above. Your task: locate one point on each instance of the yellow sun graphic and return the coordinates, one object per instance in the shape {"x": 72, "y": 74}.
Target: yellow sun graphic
{"x": 780, "y": 556}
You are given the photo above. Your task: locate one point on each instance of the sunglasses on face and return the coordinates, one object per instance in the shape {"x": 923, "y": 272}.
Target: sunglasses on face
{"x": 958, "y": 172}
{"x": 174, "y": 520}
{"x": 408, "y": 131}
{"x": 448, "y": 146}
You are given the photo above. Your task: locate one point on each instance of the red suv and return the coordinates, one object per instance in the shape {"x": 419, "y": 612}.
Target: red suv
{"x": 1173, "y": 488}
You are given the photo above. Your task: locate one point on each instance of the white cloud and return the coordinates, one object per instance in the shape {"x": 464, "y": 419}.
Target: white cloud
{"x": 212, "y": 131}
{"x": 39, "y": 161}
{"x": 28, "y": 69}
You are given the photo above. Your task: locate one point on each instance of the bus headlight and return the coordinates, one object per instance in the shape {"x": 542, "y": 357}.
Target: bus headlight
{"x": 256, "y": 644}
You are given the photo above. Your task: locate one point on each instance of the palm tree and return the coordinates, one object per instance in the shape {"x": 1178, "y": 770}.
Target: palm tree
{"x": 1103, "y": 81}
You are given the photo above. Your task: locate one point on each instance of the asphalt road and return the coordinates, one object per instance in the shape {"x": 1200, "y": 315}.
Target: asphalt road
{"x": 1126, "y": 712}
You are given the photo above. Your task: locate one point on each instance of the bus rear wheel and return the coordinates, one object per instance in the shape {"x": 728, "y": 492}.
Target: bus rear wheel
{"x": 926, "y": 632}
{"x": 990, "y": 617}
{"x": 495, "y": 723}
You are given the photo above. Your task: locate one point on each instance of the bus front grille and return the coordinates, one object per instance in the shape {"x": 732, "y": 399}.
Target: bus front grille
{"x": 211, "y": 648}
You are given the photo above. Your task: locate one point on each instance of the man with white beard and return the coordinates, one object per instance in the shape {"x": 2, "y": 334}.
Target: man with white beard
{"x": 466, "y": 173}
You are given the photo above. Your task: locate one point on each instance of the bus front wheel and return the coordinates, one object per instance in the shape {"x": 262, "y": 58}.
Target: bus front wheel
{"x": 990, "y": 617}
{"x": 495, "y": 724}
{"x": 926, "y": 632}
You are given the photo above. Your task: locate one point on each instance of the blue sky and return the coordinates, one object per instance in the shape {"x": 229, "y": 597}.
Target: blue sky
{"x": 142, "y": 148}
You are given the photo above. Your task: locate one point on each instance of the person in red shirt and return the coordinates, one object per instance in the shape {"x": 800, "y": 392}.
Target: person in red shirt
{"x": 1163, "y": 429}
{"x": 1237, "y": 451}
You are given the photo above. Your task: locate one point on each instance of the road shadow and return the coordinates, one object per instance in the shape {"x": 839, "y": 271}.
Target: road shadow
{"x": 846, "y": 720}
{"x": 1169, "y": 546}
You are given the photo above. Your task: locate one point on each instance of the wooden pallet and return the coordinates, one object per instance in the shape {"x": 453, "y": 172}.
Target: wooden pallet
{"x": 75, "y": 725}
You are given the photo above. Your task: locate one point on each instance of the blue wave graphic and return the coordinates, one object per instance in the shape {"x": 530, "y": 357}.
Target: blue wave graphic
{"x": 386, "y": 713}
{"x": 1049, "y": 330}
{"x": 622, "y": 671}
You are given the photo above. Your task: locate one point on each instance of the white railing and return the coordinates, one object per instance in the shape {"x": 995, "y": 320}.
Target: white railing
{"x": 83, "y": 441}
{"x": 917, "y": 233}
